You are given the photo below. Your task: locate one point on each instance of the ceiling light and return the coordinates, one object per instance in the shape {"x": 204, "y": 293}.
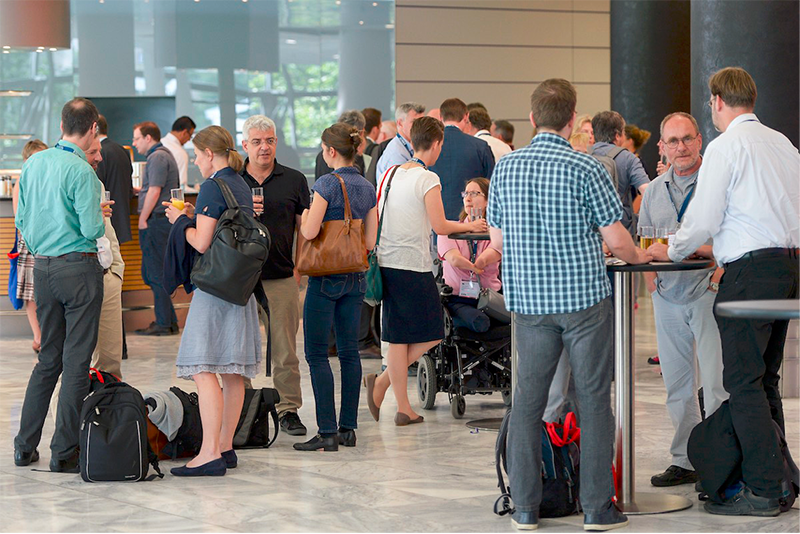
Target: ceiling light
{"x": 12, "y": 92}
{"x": 291, "y": 41}
{"x": 390, "y": 26}
{"x": 6, "y": 47}
{"x": 40, "y": 47}
{"x": 374, "y": 4}
{"x": 6, "y": 52}
{"x": 53, "y": 49}
{"x": 15, "y": 136}
{"x": 361, "y": 22}
{"x": 40, "y": 51}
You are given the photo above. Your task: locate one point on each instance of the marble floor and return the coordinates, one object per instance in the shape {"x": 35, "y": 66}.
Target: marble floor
{"x": 434, "y": 477}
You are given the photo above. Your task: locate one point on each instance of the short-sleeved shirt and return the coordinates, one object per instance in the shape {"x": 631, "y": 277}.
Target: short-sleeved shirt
{"x": 359, "y": 191}
{"x": 630, "y": 173}
{"x": 549, "y": 201}
{"x": 285, "y": 197}
{"x": 397, "y": 152}
{"x": 211, "y": 202}
{"x": 405, "y": 239}
{"x": 162, "y": 171}
{"x": 661, "y": 204}
{"x": 453, "y": 275}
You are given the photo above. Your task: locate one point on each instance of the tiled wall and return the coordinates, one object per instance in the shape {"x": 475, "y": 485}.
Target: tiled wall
{"x": 497, "y": 51}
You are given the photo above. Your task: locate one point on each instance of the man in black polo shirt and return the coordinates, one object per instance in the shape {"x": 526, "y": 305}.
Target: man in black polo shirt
{"x": 286, "y": 195}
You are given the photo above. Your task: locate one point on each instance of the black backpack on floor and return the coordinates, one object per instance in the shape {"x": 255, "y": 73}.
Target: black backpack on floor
{"x": 189, "y": 439}
{"x": 253, "y": 428}
{"x": 113, "y": 439}
{"x": 560, "y": 466}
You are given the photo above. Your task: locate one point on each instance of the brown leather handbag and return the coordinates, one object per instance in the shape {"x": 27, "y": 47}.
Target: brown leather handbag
{"x": 339, "y": 247}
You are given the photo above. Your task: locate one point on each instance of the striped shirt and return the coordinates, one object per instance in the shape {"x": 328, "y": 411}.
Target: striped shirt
{"x": 549, "y": 201}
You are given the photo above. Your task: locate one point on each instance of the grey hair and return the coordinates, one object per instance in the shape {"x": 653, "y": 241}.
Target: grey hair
{"x": 261, "y": 123}
{"x": 403, "y": 110}
{"x": 679, "y": 114}
{"x": 354, "y": 118}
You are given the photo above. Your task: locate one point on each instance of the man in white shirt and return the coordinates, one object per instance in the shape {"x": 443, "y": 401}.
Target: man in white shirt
{"x": 748, "y": 201}
{"x": 479, "y": 124}
{"x": 182, "y": 131}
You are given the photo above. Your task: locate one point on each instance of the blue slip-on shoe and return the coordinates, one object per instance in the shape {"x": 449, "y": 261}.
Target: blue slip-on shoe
{"x": 525, "y": 520}
{"x": 609, "y": 519}
{"x": 214, "y": 468}
{"x": 231, "y": 460}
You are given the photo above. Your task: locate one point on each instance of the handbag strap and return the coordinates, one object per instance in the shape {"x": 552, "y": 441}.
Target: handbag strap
{"x": 383, "y": 210}
{"x": 348, "y": 214}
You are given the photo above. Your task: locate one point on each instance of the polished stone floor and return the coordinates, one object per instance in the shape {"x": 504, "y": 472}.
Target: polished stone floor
{"x": 434, "y": 477}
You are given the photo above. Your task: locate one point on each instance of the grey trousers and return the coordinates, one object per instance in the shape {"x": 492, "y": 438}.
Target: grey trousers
{"x": 683, "y": 330}
{"x": 586, "y": 335}
{"x": 69, "y": 294}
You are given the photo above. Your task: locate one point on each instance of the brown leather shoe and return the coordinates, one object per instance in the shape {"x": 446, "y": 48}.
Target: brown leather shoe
{"x": 374, "y": 409}
{"x": 401, "y": 419}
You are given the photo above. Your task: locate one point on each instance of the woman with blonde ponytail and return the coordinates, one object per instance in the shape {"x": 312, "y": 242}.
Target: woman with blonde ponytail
{"x": 220, "y": 338}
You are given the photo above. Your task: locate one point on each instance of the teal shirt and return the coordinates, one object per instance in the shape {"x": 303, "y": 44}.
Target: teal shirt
{"x": 59, "y": 202}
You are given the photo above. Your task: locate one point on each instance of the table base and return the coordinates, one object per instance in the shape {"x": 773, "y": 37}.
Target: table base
{"x": 491, "y": 424}
{"x": 654, "y": 503}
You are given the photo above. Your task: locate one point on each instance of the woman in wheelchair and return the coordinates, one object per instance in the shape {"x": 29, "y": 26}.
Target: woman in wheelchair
{"x": 468, "y": 265}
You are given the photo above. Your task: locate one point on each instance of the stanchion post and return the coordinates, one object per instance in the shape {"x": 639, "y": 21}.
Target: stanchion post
{"x": 624, "y": 385}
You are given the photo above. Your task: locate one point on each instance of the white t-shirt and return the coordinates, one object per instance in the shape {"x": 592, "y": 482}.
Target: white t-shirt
{"x": 405, "y": 240}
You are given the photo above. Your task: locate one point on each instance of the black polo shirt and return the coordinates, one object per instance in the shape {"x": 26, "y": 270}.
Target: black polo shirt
{"x": 286, "y": 195}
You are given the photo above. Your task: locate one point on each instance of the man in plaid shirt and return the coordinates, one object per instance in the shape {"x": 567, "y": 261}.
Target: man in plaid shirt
{"x": 550, "y": 209}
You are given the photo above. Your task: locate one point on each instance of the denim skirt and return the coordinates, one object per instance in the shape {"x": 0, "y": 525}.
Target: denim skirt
{"x": 412, "y": 311}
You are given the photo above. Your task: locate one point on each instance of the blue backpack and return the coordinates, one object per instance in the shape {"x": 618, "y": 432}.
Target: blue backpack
{"x": 560, "y": 466}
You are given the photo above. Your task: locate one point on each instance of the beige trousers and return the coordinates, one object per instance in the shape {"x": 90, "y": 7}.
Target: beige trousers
{"x": 284, "y": 296}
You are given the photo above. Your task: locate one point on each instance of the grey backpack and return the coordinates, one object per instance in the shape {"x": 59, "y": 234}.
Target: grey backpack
{"x": 609, "y": 163}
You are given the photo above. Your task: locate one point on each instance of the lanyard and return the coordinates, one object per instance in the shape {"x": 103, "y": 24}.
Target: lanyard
{"x": 65, "y": 148}
{"x": 417, "y": 160}
{"x": 685, "y": 201}
{"x": 473, "y": 248}
{"x": 406, "y": 144}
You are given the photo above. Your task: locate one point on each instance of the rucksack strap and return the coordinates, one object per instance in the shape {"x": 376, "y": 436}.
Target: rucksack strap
{"x": 616, "y": 151}
{"x": 263, "y": 301}
{"x": 227, "y": 194}
{"x": 153, "y": 459}
{"x": 273, "y": 411}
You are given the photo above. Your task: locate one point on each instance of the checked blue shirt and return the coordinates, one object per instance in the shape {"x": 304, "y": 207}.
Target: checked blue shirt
{"x": 549, "y": 200}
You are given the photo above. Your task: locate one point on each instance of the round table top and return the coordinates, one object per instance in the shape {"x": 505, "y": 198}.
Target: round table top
{"x": 616, "y": 265}
{"x": 468, "y": 235}
{"x": 760, "y": 309}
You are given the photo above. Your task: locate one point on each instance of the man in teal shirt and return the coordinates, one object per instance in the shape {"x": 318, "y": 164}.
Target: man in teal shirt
{"x": 60, "y": 218}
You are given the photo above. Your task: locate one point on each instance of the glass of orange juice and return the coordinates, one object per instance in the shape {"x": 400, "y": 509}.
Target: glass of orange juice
{"x": 176, "y": 197}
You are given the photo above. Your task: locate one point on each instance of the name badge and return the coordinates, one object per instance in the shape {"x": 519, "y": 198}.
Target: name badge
{"x": 470, "y": 289}
{"x": 671, "y": 239}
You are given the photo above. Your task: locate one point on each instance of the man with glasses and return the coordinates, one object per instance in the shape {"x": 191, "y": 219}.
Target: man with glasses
{"x": 748, "y": 201}
{"x": 285, "y": 196}
{"x": 159, "y": 177}
{"x": 683, "y": 303}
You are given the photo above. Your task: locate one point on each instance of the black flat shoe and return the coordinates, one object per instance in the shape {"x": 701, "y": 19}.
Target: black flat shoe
{"x": 156, "y": 330}
{"x": 347, "y": 438}
{"x": 317, "y": 443}
{"x": 26, "y": 458}
{"x": 231, "y": 460}
{"x": 69, "y": 465}
{"x": 214, "y": 468}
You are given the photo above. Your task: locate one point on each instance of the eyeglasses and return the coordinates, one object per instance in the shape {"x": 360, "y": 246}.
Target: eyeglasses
{"x": 710, "y": 102}
{"x": 687, "y": 142}
{"x": 471, "y": 194}
{"x": 271, "y": 141}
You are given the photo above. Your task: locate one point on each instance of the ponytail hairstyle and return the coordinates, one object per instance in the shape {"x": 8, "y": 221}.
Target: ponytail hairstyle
{"x": 343, "y": 138}
{"x": 220, "y": 143}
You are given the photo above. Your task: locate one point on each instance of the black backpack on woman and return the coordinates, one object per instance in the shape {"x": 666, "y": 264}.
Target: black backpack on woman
{"x": 231, "y": 267}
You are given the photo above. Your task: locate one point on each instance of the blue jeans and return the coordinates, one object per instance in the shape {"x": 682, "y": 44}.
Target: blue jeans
{"x": 153, "y": 242}
{"x": 586, "y": 334}
{"x": 466, "y": 314}
{"x": 334, "y": 300}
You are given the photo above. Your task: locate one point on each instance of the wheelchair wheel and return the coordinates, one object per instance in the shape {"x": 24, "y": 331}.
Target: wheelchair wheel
{"x": 506, "y": 397}
{"x": 458, "y": 406}
{"x": 426, "y": 382}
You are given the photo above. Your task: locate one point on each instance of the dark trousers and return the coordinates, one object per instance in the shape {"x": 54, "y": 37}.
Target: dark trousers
{"x": 69, "y": 295}
{"x": 334, "y": 301}
{"x": 752, "y": 352}
{"x": 153, "y": 242}
{"x": 466, "y": 314}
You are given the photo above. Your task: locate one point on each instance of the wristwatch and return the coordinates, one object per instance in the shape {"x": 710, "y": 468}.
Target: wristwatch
{"x": 713, "y": 286}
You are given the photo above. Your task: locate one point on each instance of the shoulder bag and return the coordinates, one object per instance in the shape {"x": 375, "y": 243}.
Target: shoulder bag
{"x": 374, "y": 294}
{"x": 339, "y": 247}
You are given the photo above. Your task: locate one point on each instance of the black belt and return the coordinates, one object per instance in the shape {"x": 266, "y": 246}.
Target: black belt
{"x": 91, "y": 254}
{"x": 766, "y": 252}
